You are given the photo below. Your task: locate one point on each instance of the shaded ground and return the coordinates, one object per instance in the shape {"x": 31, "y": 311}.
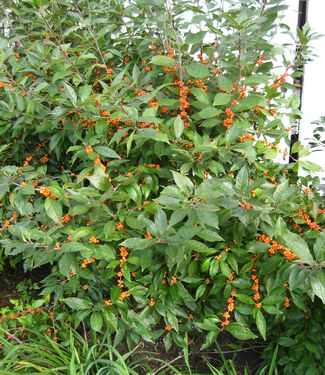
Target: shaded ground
{"x": 10, "y": 277}
{"x": 243, "y": 355}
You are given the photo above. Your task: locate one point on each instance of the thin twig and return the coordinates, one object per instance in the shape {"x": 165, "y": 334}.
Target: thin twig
{"x": 60, "y": 47}
{"x": 263, "y": 6}
{"x": 233, "y": 351}
{"x": 91, "y": 33}
{"x": 177, "y": 39}
{"x": 167, "y": 364}
{"x": 11, "y": 336}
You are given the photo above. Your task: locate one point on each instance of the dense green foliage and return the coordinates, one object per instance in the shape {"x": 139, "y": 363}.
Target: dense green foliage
{"x": 138, "y": 153}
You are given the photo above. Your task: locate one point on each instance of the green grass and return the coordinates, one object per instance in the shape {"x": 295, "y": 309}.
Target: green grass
{"x": 76, "y": 355}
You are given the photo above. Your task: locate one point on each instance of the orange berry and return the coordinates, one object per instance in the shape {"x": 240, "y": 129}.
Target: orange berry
{"x": 173, "y": 280}
{"x": 148, "y": 235}
{"x": 120, "y": 225}
{"x": 44, "y": 191}
{"x": 286, "y": 303}
{"x": 89, "y": 149}
{"x": 93, "y": 239}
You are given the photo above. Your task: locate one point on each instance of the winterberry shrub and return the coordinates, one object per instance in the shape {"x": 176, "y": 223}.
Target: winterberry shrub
{"x": 140, "y": 147}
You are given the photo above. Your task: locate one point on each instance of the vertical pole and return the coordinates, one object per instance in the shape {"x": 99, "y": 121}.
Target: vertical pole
{"x": 299, "y": 81}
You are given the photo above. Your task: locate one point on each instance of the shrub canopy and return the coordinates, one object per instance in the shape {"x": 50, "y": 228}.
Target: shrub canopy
{"x": 138, "y": 158}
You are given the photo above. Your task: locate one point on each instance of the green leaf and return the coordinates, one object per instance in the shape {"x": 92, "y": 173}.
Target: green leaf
{"x": 280, "y": 228}
{"x": 208, "y": 218}
{"x": 245, "y": 299}
{"x": 296, "y": 147}
{"x": 75, "y": 148}
{"x": 221, "y": 99}
{"x": 72, "y": 247}
{"x": 183, "y": 182}
{"x": 281, "y": 191}
{"x": 270, "y": 153}
{"x": 129, "y": 143}
{"x": 242, "y": 179}
{"x": 250, "y": 102}
{"x": 86, "y": 56}
{"x": 209, "y": 235}
{"x": 200, "y": 95}
{"x": 152, "y": 134}
{"x": 224, "y": 83}
{"x": 319, "y": 247}
{"x": 71, "y": 94}
{"x": 4, "y": 184}
{"x": 231, "y": 260}
{"x": 85, "y": 92}
{"x": 208, "y": 112}
{"x": 183, "y": 234}
{"x": 65, "y": 264}
{"x": 273, "y": 299}
{"x": 138, "y": 243}
{"x": 198, "y": 247}
{"x": 107, "y": 152}
{"x": 78, "y": 303}
{"x": 209, "y": 339}
{"x": 286, "y": 341}
{"x": 178, "y": 126}
{"x": 53, "y": 209}
{"x": 318, "y": 284}
{"x": 178, "y": 216}
{"x": 200, "y": 291}
{"x": 110, "y": 319}
{"x": 261, "y": 323}
{"x": 310, "y": 166}
{"x": 41, "y": 86}
{"x": 60, "y": 74}
{"x": 162, "y": 60}
{"x": 55, "y": 139}
{"x": 59, "y": 192}
{"x": 96, "y": 321}
{"x": 272, "y": 310}
{"x": 2, "y": 59}
{"x": 81, "y": 232}
{"x": 100, "y": 182}
{"x": 172, "y": 319}
{"x": 232, "y": 133}
{"x": 194, "y": 38}
{"x": 161, "y": 221}
{"x": 134, "y": 193}
{"x": 214, "y": 268}
{"x": 225, "y": 270}
{"x": 298, "y": 246}
{"x": 239, "y": 331}
{"x": 135, "y": 73}
{"x": 103, "y": 252}
{"x": 197, "y": 70}
{"x": 118, "y": 135}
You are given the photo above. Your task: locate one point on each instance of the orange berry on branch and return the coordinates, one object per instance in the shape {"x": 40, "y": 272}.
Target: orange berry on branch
{"x": 148, "y": 235}
{"x": 94, "y": 240}
{"x": 89, "y": 149}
